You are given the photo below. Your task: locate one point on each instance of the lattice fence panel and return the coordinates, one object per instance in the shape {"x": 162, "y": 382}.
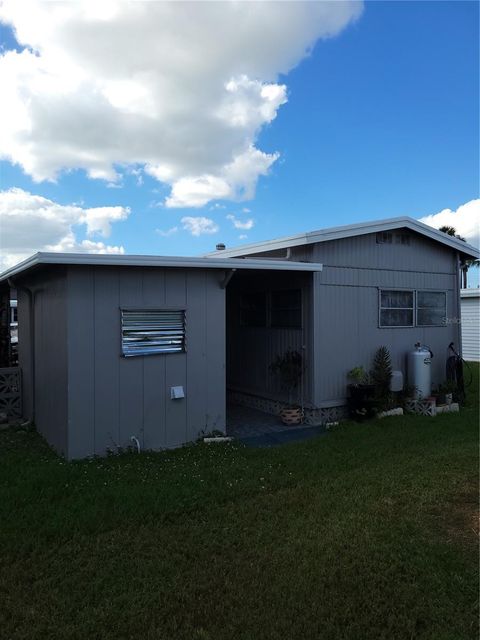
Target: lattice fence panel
{"x": 11, "y": 391}
{"x": 421, "y": 407}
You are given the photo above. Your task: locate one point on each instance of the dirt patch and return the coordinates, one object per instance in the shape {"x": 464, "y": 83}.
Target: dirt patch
{"x": 462, "y": 516}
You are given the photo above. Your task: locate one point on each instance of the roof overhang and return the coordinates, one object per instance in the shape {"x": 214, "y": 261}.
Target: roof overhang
{"x": 338, "y": 233}
{"x": 86, "y": 259}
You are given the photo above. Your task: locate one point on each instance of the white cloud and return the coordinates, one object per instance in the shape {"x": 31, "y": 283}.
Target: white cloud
{"x": 166, "y": 233}
{"x": 178, "y": 89}
{"x": 31, "y": 223}
{"x": 198, "y": 226}
{"x": 465, "y": 219}
{"x": 239, "y": 224}
{"x": 242, "y": 236}
{"x": 245, "y": 210}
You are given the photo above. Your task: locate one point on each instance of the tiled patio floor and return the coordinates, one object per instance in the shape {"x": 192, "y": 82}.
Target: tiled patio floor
{"x": 258, "y": 429}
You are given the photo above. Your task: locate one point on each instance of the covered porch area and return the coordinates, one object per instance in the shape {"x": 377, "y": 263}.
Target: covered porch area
{"x": 269, "y": 316}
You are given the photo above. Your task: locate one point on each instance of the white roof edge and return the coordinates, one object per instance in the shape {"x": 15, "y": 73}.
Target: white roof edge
{"x": 42, "y": 258}
{"x": 470, "y": 293}
{"x": 337, "y": 233}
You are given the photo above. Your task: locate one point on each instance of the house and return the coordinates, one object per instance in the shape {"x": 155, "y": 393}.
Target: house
{"x": 470, "y": 303}
{"x": 114, "y": 348}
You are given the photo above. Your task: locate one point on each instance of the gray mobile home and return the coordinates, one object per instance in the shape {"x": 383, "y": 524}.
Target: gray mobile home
{"x": 119, "y": 347}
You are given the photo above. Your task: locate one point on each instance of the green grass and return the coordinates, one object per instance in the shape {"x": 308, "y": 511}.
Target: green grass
{"x": 368, "y": 532}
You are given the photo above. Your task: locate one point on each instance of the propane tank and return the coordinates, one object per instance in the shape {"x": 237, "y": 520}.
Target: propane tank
{"x": 420, "y": 370}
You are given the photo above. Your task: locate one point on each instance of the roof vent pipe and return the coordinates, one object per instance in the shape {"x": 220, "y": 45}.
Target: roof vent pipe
{"x": 220, "y": 247}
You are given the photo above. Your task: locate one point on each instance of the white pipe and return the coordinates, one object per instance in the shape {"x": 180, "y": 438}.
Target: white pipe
{"x": 137, "y": 443}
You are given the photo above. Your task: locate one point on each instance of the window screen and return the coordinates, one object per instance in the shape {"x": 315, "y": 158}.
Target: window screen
{"x": 384, "y": 237}
{"x": 396, "y": 308}
{"x": 146, "y": 332}
{"x": 388, "y": 237}
{"x": 286, "y": 309}
{"x": 431, "y": 308}
{"x": 253, "y": 309}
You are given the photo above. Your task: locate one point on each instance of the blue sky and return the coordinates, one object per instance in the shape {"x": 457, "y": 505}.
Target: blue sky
{"x": 381, "y": 121}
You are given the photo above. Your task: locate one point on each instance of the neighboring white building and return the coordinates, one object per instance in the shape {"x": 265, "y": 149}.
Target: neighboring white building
{"x": 470, "y": 302}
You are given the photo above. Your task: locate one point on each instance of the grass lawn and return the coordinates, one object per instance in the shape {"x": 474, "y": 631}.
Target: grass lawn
{"x": 368, "y": 532}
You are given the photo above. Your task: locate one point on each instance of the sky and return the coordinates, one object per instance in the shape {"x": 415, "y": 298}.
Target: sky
{"x": 167, "y": 127}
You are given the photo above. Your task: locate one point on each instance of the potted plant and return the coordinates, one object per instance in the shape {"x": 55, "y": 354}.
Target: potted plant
{"x": 361, "y": 394}
{"x": 289, "y": 367}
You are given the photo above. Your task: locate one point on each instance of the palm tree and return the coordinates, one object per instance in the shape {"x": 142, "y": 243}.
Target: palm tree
{"x": 466, "y": 264}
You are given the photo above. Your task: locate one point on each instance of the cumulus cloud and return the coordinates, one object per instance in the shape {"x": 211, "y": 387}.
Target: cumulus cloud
{"x": 465, "y": 219}
{"x": 240, "y": 224}
{"x": 31, "y": 223}
{"x": 180, "y": 90}
{"x": 199, "y": 226}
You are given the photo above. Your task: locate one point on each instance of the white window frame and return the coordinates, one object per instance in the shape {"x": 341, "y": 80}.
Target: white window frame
{"x": 415, "y": 293}
{"x": 417, "y": 308}
{"x": 380, "y": 309}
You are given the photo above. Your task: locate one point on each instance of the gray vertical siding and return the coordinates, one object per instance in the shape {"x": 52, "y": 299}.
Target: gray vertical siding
{"x": 422, "y": 255}
{"x": 345, "y": 306}
{"x": 347, "y": 335}
{"x": 49, "y": 393}
{"x": 24, "y": 352}
{"x": 347, "y": 331}
{"x": 120, "y": 397}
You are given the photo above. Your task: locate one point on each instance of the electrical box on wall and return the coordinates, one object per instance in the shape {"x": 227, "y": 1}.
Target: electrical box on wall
{"x": 176, "y": 393}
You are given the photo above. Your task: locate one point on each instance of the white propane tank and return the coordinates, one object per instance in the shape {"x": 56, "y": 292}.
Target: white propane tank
{"x": 420, "y": 370}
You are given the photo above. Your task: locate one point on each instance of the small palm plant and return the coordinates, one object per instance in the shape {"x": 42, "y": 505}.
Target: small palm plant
{"x": 382, "y": 375}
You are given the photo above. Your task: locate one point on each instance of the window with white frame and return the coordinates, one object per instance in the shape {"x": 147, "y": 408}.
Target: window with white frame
{"x": 396, "y": 308}
{"x": 431, "y": 308}
{"x": 408, "y": 308}
{"x": 152, "y": 331}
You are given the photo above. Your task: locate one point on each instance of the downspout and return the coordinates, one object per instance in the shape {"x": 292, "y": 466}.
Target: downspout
{"x": 31, "y": 313}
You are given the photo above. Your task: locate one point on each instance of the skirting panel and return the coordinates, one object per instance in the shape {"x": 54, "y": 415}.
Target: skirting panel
{"x": 314, "y": 417}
